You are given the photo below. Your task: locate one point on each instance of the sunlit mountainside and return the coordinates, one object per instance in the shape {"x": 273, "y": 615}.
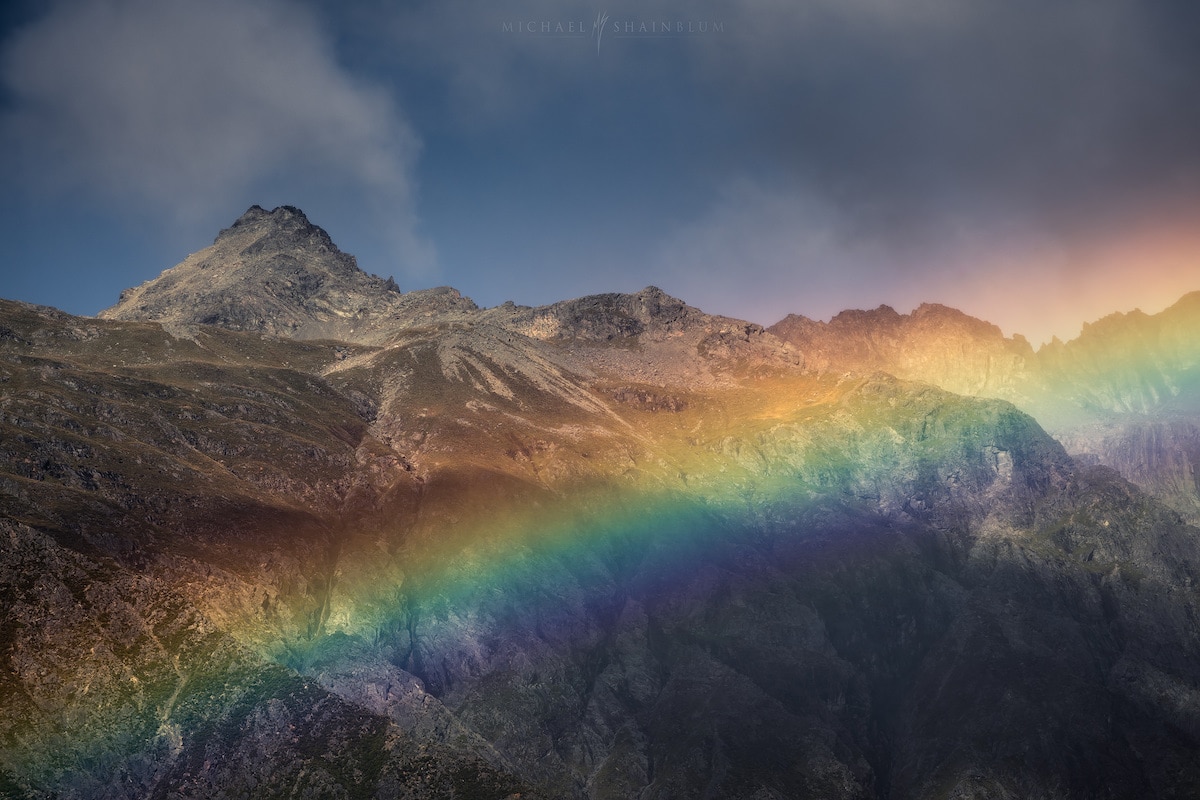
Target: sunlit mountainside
{"x": 274, "y": 528}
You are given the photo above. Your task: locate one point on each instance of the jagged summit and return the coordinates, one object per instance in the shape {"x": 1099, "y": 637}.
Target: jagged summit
{"x": 276, "y": 273}
{"x": 604, "y": 317}
{"x": 934, "y": 344}
{"x": 285, "y": 226}
{"x": 271, "y": 271}
{"x": 281, "y": 214}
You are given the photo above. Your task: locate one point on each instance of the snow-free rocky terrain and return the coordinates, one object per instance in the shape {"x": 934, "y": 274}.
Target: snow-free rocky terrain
{"x": 272, "y": 527}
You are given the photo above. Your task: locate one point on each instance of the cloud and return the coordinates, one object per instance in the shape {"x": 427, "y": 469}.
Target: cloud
{"x": 489, "y": 68}
{"x": 187, "y": 106}
{"x": 760, "y": 253}
{"x": 1015, "y": 160}
{"x": 1023, "y": 101}
{"x": 1061, "y": 110}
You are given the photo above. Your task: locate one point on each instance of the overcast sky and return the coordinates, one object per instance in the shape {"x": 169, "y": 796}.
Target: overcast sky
{"x": 1034, "y": 163}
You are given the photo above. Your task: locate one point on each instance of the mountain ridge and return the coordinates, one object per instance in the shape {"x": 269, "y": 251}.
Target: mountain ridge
{"x": 389, "y": 564}
{"x": 593, "y": 317}
{"x": 295, "y": 282}
{"x": 276, "y": 273}
{"x": 612, "y": 547}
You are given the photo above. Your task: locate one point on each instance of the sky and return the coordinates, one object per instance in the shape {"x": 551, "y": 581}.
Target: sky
{"x": 1034, "y": 164}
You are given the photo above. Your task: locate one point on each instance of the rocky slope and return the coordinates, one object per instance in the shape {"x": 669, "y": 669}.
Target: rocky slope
{"x": 1125, "y": 393}
{"x": 1132, "y": 363}
{"x": 609, "y": 548}
{"x": 934, "y": 344}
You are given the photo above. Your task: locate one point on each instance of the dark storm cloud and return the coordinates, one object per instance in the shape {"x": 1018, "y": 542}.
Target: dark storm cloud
{"x": 897, "y": 113}
{"x": 1011, "y": 98}
{"x": 1016, "y": 107}
{"x": 989, "y": 155}
{"x": 186, "y": 106}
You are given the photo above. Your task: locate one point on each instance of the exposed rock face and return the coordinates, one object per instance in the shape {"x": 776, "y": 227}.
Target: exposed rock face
{"x": 1126, "y": 393}
{"x": 606, "y": 317}
{"x": 1131, "y": 363}
{"x": 934, "y": 344}
{"x": 1161, "y": 455}
{"x": 608, "y": 548}
{"x": 273, "y": 272}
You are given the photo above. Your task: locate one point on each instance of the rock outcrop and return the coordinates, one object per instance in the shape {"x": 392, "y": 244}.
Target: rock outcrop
{"x": 274, "y": 272}
{"x": 934, "y": 344}
{"x": 1125, "y": 393}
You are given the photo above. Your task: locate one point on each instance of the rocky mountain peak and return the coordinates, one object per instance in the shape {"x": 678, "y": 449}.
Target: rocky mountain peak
{"x": 282, "y": 215}
{"x": 884, "y": 315}
{"x": 272, "y": 272}
{"x": 606, "y": 317}
{"x": 934, "y": 344}
{"x": 283, "y": 228}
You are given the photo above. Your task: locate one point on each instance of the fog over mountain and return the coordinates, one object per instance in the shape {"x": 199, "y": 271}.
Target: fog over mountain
{"x": 272, "y": 527}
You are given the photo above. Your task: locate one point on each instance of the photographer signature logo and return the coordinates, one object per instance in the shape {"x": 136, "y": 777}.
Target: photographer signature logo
{"x": 603, "y": 27}
{"x": 598, "y": 28}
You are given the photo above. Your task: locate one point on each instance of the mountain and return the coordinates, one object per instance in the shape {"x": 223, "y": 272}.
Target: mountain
{"x": 608, "y": 548}
{"x": 1125, "y": 393}
{"x": 1132, "y": 363}
{"x": 1133, "y": 381}
{"x": 934, "y": 344}
{"x": 276, "y": 273}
